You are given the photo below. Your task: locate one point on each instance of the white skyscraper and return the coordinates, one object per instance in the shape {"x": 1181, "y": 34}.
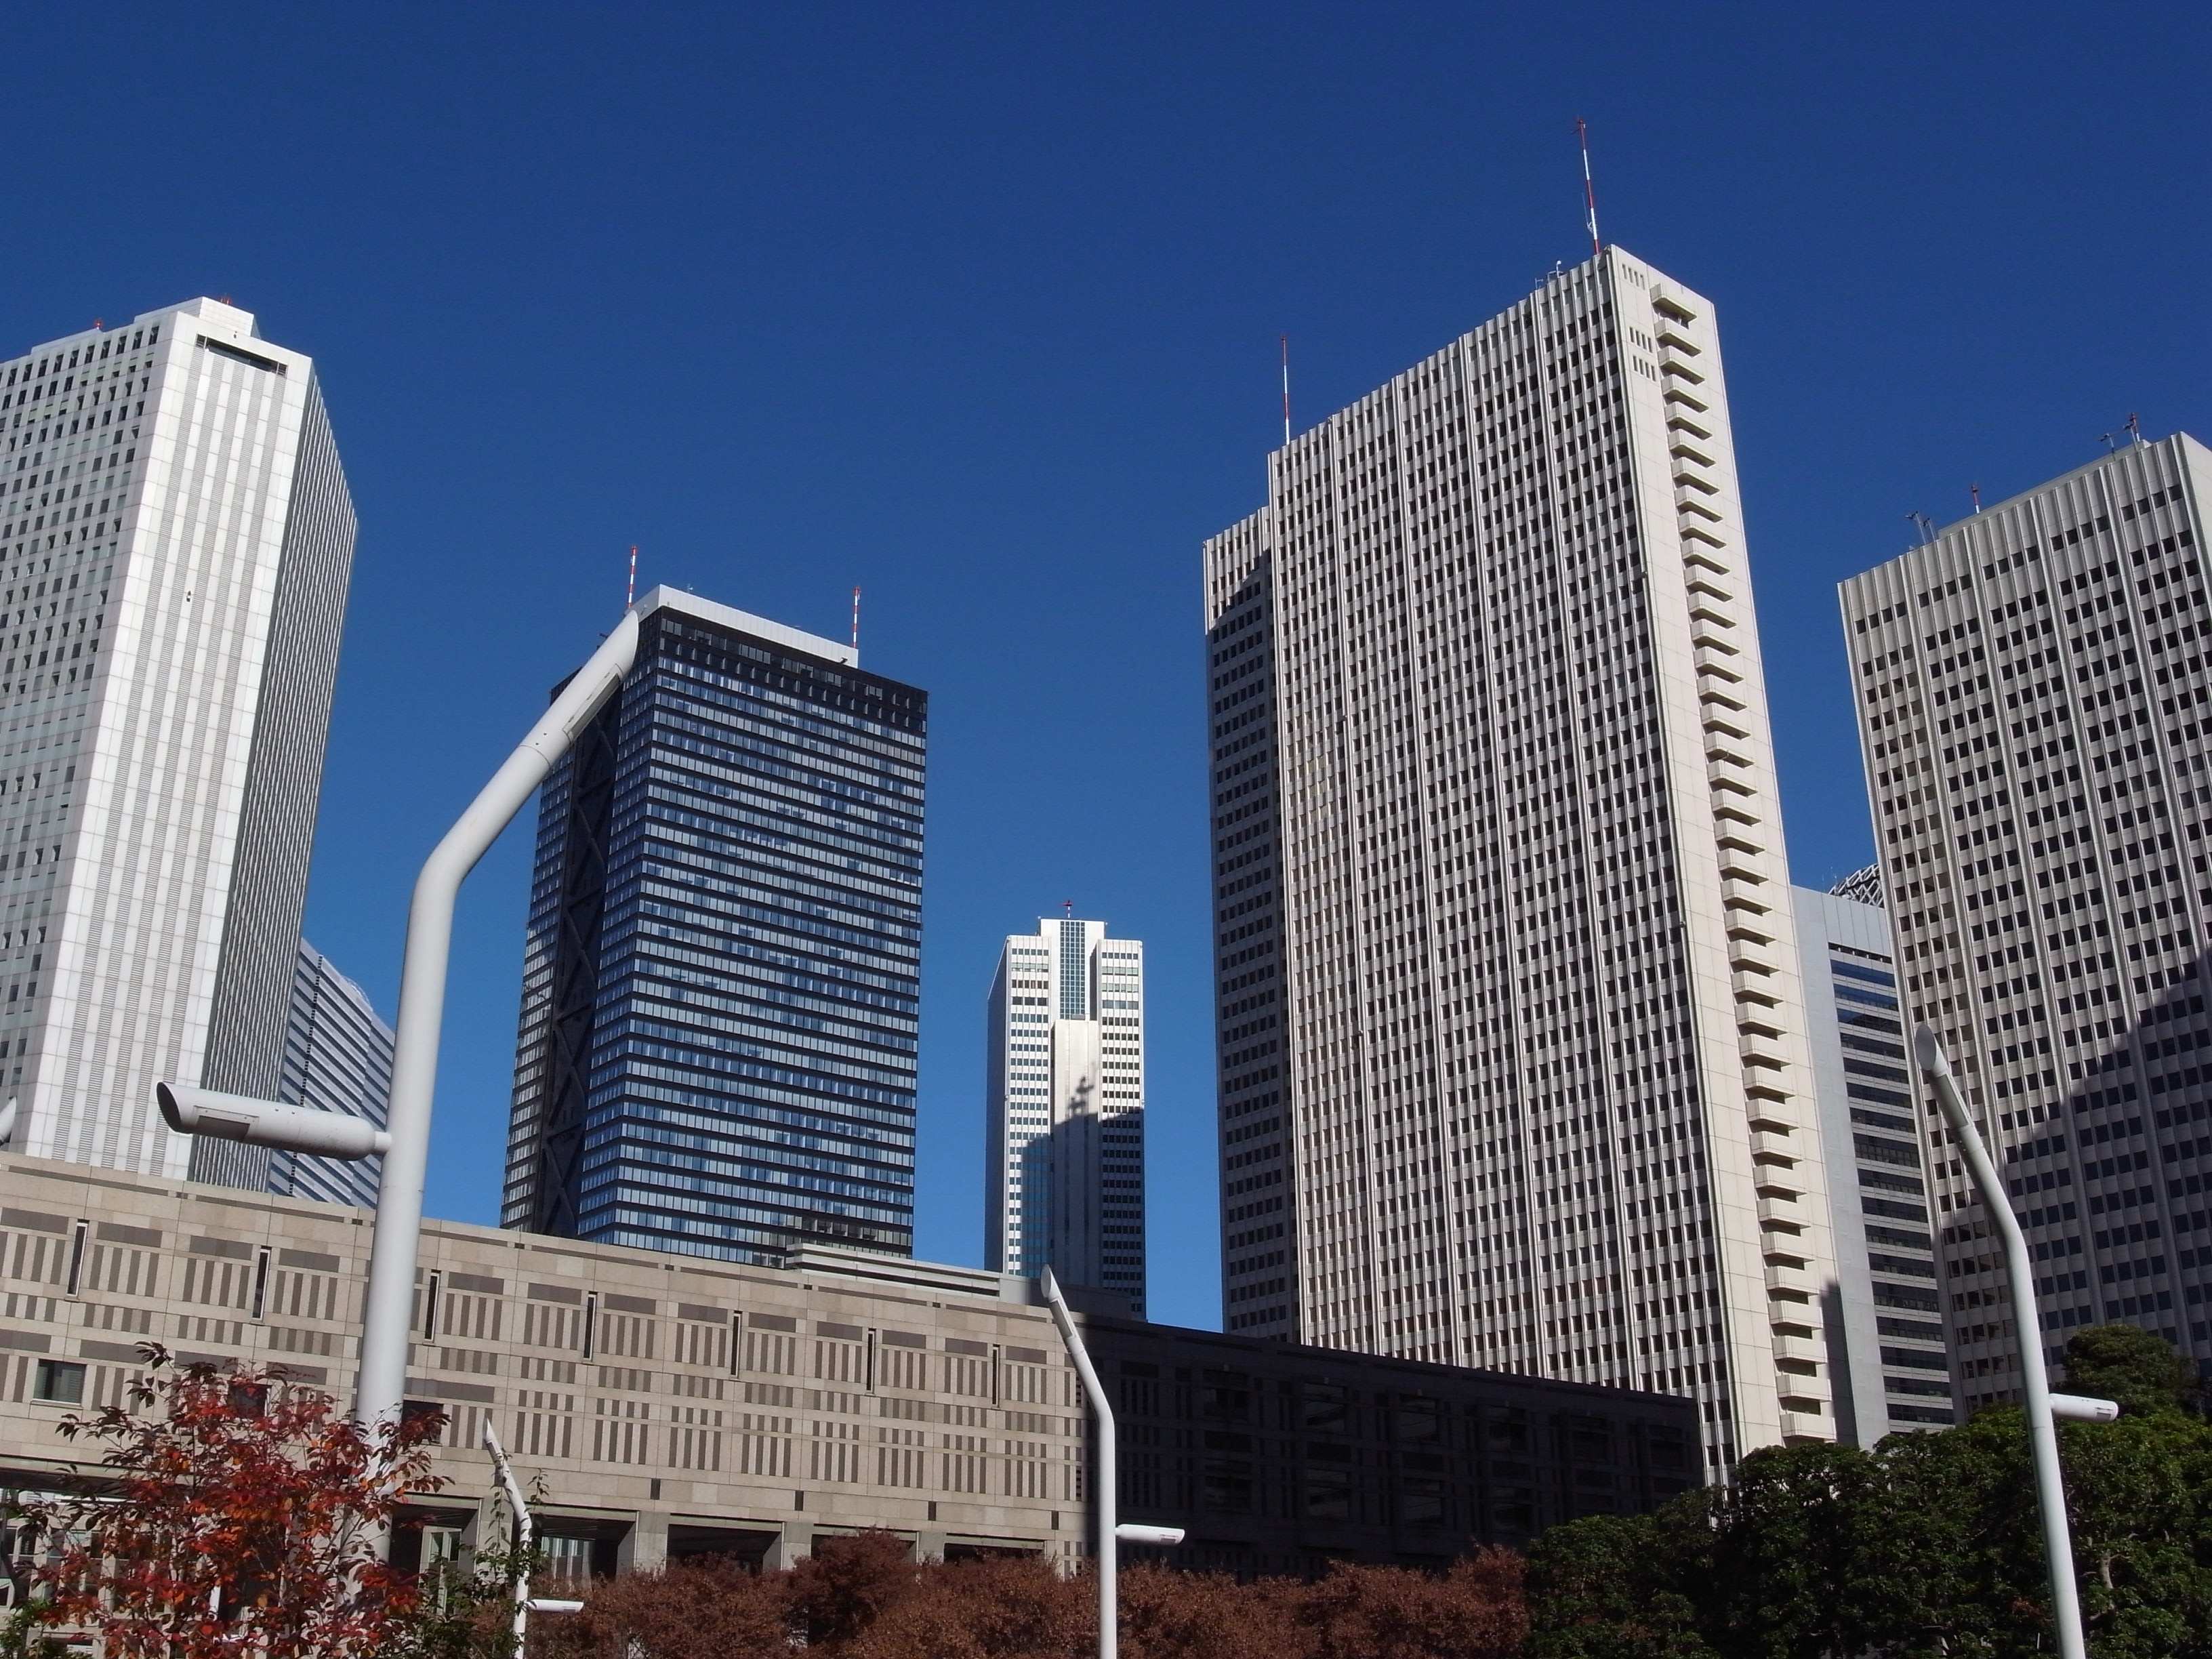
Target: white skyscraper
{"x": 1065, "y": 1075}
{"x": 2033, "y": 683}
{"x": 1513, "y": 1067}
{"x": 175, "y": 544}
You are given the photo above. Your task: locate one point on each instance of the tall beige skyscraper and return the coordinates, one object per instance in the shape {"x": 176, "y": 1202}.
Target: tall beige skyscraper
{"x": 176, "y": 540}
{"x": 1513, "y": 1064}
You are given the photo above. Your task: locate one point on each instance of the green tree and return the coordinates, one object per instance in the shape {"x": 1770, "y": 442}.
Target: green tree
{"x": 2144, "y": 1374}
{"x": 1808, "y": 1557}
{"x": 1621, "y": 1587}
{"x": 1931, "y": 1544}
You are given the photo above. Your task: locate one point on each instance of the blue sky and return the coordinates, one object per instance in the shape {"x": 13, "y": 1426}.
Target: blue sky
{"x": 977, "y": 306}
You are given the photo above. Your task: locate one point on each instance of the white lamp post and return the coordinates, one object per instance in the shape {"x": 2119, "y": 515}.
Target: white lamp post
{"x": 389, "y": 1309}
{"x": 1110, "y": 1532}
{"x": 2042, "y": 1405}
{"x": 525, "y": 1534}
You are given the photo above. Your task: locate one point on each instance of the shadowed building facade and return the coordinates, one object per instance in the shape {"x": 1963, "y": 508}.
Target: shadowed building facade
{"x": 2034, "y": 685}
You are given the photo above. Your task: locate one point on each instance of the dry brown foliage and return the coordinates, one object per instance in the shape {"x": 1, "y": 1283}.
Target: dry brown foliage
{"x": 861, "y": 1598}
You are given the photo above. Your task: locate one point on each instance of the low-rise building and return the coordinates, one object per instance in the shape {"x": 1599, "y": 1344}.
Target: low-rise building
{"x": 669, "y": 1405}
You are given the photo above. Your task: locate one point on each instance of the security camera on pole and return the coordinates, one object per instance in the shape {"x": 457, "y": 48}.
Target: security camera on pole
{"x": 2041, "y": 1405}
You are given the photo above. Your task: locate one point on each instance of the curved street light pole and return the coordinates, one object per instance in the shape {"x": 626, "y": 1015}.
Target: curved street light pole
{"x": 389, "y": 1310}
{"x": 2035, "y": 1381}
{"x": 1105, "y": 1471}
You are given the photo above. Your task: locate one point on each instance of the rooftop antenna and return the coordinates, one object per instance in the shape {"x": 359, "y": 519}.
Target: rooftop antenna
{"x": 1589, "y": 189}
{"x": 1068, "y": 905}
{"x": 2135, "y": 427}
{"x": 2112, "y": 441}
{"x": 1927, "y": 527}
{"x": 856, "y": 619}
{"x": 629, "y": 597}
{"x": 1976, "y": 492}
{"x": 1286, "y": 390}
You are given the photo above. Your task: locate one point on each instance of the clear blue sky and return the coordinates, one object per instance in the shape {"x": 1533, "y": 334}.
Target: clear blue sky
{"x": 977, "y": 306}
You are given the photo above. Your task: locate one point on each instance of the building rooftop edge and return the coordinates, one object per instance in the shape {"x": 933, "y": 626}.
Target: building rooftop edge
{"x": 665, "y": 598}
{"x": 2184, "y": 438}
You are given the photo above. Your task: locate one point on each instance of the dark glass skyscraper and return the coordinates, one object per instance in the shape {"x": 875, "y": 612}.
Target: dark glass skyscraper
{"x": 718, "y": 1033}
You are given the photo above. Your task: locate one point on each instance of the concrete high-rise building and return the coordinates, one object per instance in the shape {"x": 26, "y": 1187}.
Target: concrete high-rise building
{"x": 1064, "y": 1077}
{"x": 175, "y": 545}
{"x": 1513, "y": 1066}
{"x": 338, "y": 1057}
{"x": 1884, "y": 1320}
{"x": 717, "y": 1048}
{"x": 2032, "y": 688}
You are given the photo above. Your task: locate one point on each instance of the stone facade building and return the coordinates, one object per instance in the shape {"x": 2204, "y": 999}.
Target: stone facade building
{"x": 672, "y": 1405}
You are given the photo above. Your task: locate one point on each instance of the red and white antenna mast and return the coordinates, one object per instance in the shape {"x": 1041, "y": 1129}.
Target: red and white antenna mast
{"x": 856, "y": 621}
{"x": 629, "y": 598}
{"x": 1589, "y": 189}
{"x": 1286, "y": 390}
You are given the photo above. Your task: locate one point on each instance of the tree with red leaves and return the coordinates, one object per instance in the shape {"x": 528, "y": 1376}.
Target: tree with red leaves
{"x": 866, "y": 1597}
{"x": 240, "y": 1518}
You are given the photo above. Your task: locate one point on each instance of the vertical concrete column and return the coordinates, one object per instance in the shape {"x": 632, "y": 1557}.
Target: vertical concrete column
{"x": 645, "y": 1546}
{"x": 487, "y": 1528}
{"x": 794, "y": 1542}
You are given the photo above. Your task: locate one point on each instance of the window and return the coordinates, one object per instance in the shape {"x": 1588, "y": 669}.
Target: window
{"x": 1328, "y": 1495}
{"x": 61, "y": 1382}
{"x": 1421, "y": 1502}
{"x": 1225, "y": 1485}
{"x": 1416, "y": 1419}
{"x": 1218, "y": 1399}
{"x": 1323, "y": 1406}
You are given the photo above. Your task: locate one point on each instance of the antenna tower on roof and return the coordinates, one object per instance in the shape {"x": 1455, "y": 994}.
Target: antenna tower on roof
{"x": 1589, "y": 187}
{"x": 856, "y": 620}
{"x": 630, "y": 595}
{"x": 1286, "y": 390}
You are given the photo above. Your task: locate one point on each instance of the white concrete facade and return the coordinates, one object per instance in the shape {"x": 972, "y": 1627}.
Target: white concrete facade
{"x": 175, "y": 539}
{"x": 1512, "y": 1045}
{"x": 1064, "y": 1077}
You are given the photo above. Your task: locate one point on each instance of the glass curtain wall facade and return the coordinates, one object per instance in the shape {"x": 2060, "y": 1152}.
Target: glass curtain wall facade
{"x": 1513, "y": 1066}
{"x": 2032, "y": 687}
{"x": 717, "y": 1046}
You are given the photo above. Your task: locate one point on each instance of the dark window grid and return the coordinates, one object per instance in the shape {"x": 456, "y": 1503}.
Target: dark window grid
{"x": 718, "y": 1010}
{"x": 683, "y": 724}
{"x": 636, "y": 1180}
